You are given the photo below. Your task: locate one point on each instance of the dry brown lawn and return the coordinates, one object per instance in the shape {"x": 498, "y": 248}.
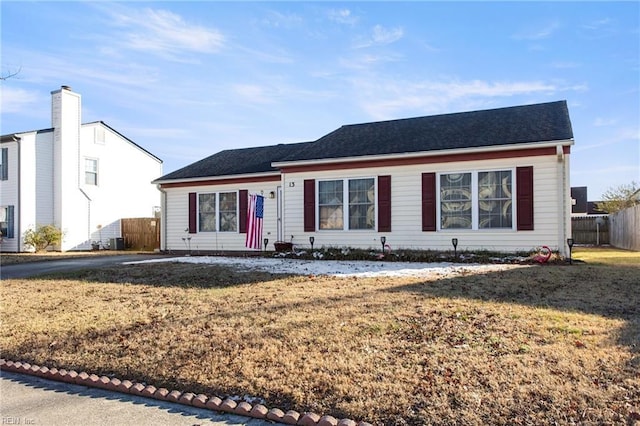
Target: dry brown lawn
{"x": 14, "y": 258}
{"x": 532, "y": 345}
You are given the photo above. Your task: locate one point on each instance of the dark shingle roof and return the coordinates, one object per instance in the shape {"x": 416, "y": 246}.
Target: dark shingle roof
{"x": 494, "y": 127}
{"x": 503, "y": 126}
{"x": 237, "y": 162}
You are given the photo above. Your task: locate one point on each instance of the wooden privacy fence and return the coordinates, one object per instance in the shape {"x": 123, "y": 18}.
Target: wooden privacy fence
{"x": 586, "y": 230}
{"x": 625, "y": 228}
{"x": 141, "y": 233}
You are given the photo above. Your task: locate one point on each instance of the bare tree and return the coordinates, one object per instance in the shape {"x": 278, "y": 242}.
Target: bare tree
{"x": 10, "y": 74}
{"x": 619, "y": 198}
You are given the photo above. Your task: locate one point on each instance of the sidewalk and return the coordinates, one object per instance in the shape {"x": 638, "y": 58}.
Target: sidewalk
{"x": 31, "y": 400}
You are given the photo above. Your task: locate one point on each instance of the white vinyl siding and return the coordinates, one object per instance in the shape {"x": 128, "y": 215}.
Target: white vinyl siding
{"x": 406, "y": 208}
{"x": 175, "y": 215}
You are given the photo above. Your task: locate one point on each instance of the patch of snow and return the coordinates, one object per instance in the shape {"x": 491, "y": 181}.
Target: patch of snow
{"x": 340, "y": 268}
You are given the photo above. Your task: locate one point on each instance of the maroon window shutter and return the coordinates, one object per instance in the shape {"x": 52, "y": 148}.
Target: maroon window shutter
{"x": 524, "y": 201}
{"x": 193, "y": 209}
{"x": 429, "y": 202}
{"x": 384, "y": 203}
{"x": 243, "y": 206}
{"x": 309, "y": 205}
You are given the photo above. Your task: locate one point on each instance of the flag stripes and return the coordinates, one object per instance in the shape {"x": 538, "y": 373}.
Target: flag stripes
{"x": 255, "y": 215}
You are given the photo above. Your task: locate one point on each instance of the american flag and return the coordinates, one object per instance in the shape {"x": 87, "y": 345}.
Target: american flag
{"x": 255, "y": 214}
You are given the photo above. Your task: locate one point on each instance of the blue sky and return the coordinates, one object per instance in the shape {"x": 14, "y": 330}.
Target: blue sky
{"x": 188, "y": 79}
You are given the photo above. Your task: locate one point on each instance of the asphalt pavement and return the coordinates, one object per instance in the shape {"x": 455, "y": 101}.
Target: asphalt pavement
{"x": 31, "y": 400}
{"x": 29, "y": 269}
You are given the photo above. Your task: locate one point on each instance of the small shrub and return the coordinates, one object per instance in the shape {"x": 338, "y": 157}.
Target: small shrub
{"x": 42, "y": 237}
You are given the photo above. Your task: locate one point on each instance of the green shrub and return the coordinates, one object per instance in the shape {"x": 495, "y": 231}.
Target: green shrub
{"x": 42, "y": 237}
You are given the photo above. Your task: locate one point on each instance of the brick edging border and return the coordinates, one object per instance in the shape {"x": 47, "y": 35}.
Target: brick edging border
{"x": 213, "y": 403}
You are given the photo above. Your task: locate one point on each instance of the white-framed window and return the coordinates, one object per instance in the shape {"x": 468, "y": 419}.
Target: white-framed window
{"x": 476, "y": 200}
{"x": 218, "y": 212}
{"x": 6, "y": 222}
{"x": 228, "y": 202}
{"x": 91, "y": 171}
{"x": 359, "y": 207}
{"x": 495, "y": 199}
{"x": 4, "y": 166}
{"x": 207, "y": 212}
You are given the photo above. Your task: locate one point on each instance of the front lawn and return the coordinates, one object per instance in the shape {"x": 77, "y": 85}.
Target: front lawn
{"x": 531, "y": 345}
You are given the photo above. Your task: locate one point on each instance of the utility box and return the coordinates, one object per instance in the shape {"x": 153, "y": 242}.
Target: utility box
{"x": 117, "y": 243}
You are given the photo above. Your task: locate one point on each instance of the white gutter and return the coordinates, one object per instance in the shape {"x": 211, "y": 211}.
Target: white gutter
{"x": 493, "y": 148}
{"x": 163, "y": 219}
{"x": 214, "y": 178}
{"x": 19, "y": 201}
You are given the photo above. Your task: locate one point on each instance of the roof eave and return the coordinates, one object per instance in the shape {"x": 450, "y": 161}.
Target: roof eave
{"x": 161, "y": 181}
{"x": 492, "y": 148}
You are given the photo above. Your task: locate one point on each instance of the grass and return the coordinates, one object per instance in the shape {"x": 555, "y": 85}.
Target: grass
{"x": 15, "y": 258}
{"x": 607, "y": 256}
{"x": 531, "y": 345}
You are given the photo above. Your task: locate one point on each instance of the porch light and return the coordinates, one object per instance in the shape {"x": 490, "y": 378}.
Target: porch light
{"x": 454, "y": 241}
{"x": 311, "y": 240}
{"x": 383, "y": 240}
{"x": 266, "y": 241}
{"x": 570, "y": 244}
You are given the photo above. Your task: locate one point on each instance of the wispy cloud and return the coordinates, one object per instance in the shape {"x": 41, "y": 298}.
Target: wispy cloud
{"x": 623, "y": 135}
{"x": 538, "y": 32}
{"x": 599, "y": 28}
{"x": 597, "y": 24}
{"x": 381, "y": 36}
{"x": 565, "y": 64}
{"x": 164, "y": 33}
{"x": 342, "y": 16}
{"x": 276, "y": 19}
{"x": 361, "y": 62}
{"x": 20, "y": 101}
{"x": 601, "y": 122}
{"x": 385, "y": 99}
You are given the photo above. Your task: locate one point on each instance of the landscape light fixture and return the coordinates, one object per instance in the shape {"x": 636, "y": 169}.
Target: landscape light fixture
{"x": 266, "y": 241}
{"x": 311, "y": 240}
{"x": 383, "y": 240}
{"x": 454, "y": 241}
{"x": 570, "y": 244}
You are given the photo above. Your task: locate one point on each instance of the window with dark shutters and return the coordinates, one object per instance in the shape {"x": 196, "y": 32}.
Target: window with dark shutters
{"x": 429, "y": 202}
{"x": 193, "y": 211}
{"x": 309, "y": 205}
{"x": 384, "y": 203}
{"x": 524, "y": 195}
{"x": 243, "y": 206}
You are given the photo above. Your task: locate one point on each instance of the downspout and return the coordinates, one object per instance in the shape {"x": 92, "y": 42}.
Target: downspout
{"x": 88, "y": 214}
{"x": 163, "y": 219}
{"x": 562, "y": 199}
{"x": 19, "y": 215}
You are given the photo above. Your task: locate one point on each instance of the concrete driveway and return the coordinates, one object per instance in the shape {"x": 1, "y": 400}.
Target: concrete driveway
{"x": 30, "y": 269}
{"x": 30, "y": 400}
